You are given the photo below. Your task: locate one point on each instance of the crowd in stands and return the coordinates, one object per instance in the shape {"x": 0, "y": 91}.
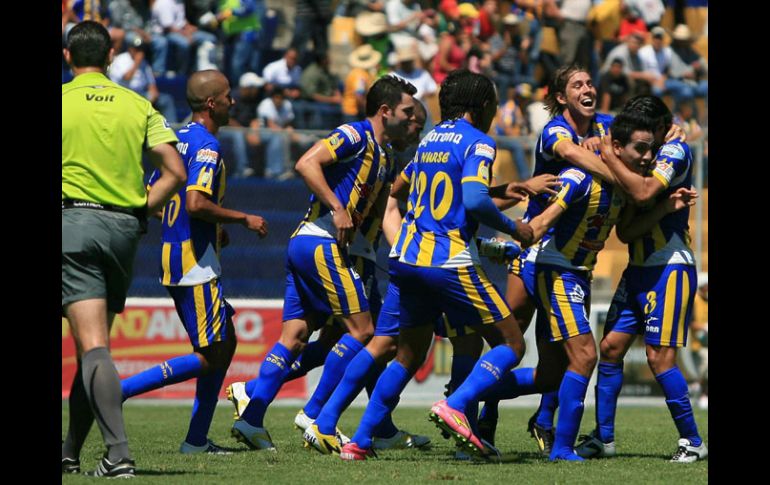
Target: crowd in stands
{"x": 630, "y": 46}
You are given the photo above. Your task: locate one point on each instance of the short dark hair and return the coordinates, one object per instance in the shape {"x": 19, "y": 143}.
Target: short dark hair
{"x": 651, "y": 106}
{"x": 627, "y": 122}
{"x": 89, "y": 44}
{"x": 559, "y": 85}
{"x": 387, "y": 90}
{"x": 463, "y": 92}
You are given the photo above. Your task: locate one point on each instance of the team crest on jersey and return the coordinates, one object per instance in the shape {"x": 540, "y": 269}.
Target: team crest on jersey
{"x": 351, "y": 133}
{"x": 665, "y": 168}
{"x": 559, "y": 131}
{"x": 206, "y": 156}
{"x": 334, "y": 140}
{"x": 673, "y": 151}
{"x": 484, "y": 150}
{"x": 575, "y": 175}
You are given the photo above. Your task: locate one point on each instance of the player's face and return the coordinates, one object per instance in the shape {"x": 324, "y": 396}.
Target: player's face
{"x": 222, "y": 104}
{"x": 397, "y": 120}
{"x": 638, "y": 153}
{"x": 580, "y": 95}
{"x": 415, "y": 127}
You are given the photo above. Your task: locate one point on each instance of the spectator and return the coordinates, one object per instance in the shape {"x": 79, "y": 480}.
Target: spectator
{"x": 684, "y": 116}
{"x": 631, "y": 22}
{"x": 363, "y": 61}
{"x": 276, "y": 114}
{"x": 510, "y": 122}
{"x": 169, "y": 20}
{"x": 373, "y": 27}
{"x": 241, "y": 26}
{"x": 351, "y": 8}
{"x": 407, "y": 70}
{"x": 693, "y": 70}
{"x": 509, "y": 55}
{"x": 570, "y": 17}
{"x": 651, "y": 11}
{"x": 488, "y": 20}
{"x": 453, "y": 48}
{"x": 321, "y": 88}
{"x": 131, "y": 70}
{"x": 633, "y": 67}
{"x": 242, "y": 132}
{"x": 311, "y": 22}
{"x": 284, "y": 74}
{"x": 614, "y": 88}
{"x": 134, "y": 18}
{"x": 537, "y": 113}
{"x": 699, "y": 329}
{"x": 404, "y": 19}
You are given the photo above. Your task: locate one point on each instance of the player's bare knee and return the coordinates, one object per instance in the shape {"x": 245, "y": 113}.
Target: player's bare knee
{"x": 610, "y": 352}
{"x": 660, "y": 359}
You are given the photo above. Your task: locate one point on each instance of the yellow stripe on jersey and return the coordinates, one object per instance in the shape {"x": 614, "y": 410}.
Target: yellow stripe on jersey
{"x": 199, "y": 188}
{"x": 200, "y": 314}
{"x": 661, "y": 178}
{"x": 563, "y": 301}
{"x": 682, "y": 309}
{"x": 473, "y": 295}
{"x": 456, "y": 243}
{"x": 658, "y": 237}
{"x": 354, "y": 306}
{"x": 165, "y": 261}
{"x": 326, "y": 278}
{"x": 546, "y": 302}
{"x": 329, "y": 147}
{"x": 404, "y": 177}
{"x": 668, "y": 310}
{"x": 363, "y": 174}
{"x": 475, "y": 179}
{"x": 315, "y": 209}
{"x": 427, "y": 245}
{"x": 572, "y": 246}
{"x": 410, "y": 230}
{"x": 560, "y": 137}
{"x": 492, "y": 291}
{"x": 216, "y": 323}
{"x": 604, "y": 232}
{"x": 188, "y": 257}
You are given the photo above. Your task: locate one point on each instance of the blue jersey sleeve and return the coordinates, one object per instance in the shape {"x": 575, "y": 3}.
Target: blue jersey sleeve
{"x": 203, "y": 168}
{"x": 345, "y": 141}
{"x": 553, "y": 134}
{"x": 575, "y": 184}
{"x": 407, "y": 172}
{"x": 154, "y": 176}
{"x": 671, "y": 162}
{"x": 478, "y": 162}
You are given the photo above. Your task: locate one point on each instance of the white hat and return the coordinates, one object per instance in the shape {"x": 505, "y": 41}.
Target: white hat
{"x": 371, "y": 23}
{"x": 364, "y": 57}
{"x": 681, "y": 32}
{"x": 250, "y": 80}
{"x": 511, "y": 19}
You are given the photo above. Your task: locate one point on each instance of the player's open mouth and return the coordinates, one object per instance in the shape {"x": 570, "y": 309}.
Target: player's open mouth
{"x": 587, "y": 102}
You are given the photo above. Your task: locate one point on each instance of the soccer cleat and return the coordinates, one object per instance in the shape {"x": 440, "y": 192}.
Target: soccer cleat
{"x": 544, "y": 437}
{"x": 70, "y": 465}
{"x": 566, "y": 456}
{"x": 687, "y": 453}
{"x": 399, "y": 441}
{"x": 456, "y": 424}
{"x": 236, "y": 393}
{"x": 324, "y": 443}
{"x": 590, "y": 446}
{"x": 123, "y": 468}
{"x": 487, "y": 428}
{"x": 351, "y": 452}
{"x": 252, "y": 436}
{"x": 302, "y": 422}
{"x": 210, "y": 448}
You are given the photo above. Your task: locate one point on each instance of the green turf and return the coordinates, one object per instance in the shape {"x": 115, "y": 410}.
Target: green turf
{"x": 647, "y": 439}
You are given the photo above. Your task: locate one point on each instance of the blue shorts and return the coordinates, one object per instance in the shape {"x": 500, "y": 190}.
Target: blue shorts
{"x": 526, "y": 271}
{"x": 465, "y": 295}
{"x": 367, "y": 269}
{"x": 204, "y": 312}
{"x": 656, "y": 301}
{"x": 388, "y": 320}
{"x": 320, "y": 281}
{"x": 563, "y": 297}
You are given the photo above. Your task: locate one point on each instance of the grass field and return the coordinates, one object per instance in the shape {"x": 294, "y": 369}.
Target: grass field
{"x": 646, "y": 440}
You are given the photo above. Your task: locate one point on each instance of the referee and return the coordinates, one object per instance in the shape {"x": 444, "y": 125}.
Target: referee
{"x": 104, "y": 211}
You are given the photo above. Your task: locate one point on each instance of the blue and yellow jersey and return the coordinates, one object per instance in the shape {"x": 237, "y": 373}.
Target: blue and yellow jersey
{"x": 546, "y": 160}
{"x": 361, "y": 169}
{"x": 669, "y": 240}
{"x": 592, "y": 208}
{"x": 190, "y": 253}
{"x": 437, "y": 231}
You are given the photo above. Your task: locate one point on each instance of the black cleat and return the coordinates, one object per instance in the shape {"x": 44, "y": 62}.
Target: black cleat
{"x": 544, "y": 437}
{"x": 487, "y": 427}
{"x": 123, "y": 468}
{"x": 70, "y": 465}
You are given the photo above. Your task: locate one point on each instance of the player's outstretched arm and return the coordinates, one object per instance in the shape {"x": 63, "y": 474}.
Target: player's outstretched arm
{"x": 585, "y": 159}
{"x": 634, "y": 225}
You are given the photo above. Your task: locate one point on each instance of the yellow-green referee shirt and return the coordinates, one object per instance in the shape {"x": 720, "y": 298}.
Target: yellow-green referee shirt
{"x": 104, "y": 128}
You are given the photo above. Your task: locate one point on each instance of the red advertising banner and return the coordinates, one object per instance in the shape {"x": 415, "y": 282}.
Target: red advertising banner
{"x": 149, "y": 332}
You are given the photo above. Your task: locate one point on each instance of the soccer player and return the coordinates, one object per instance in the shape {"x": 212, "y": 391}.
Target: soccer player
{"x": 190, "y": 266}
{"x": 437, "y": 269}
{"x": 345, "y": 172}
{"x": 654, "y": 296}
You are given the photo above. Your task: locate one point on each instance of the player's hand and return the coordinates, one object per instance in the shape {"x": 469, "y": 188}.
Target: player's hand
{"x": 681, "y": 199}
{"x": 542, "y": 184}
{"x": 592, "y": 144}
{"x": 345, "y": 227}
{"x": 516, "y": 191}
{"x": 675, "y": 132}
{"x": 523, "y": 233}
{"x": 257, "y": 224}
{"x": 605, "y": 147}
{"x": 224, "y": 238}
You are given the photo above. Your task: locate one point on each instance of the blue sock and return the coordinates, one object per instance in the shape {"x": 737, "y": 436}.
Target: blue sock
{"x": 334, "y": 368}
{"x": 384, "y": 398}
{"x": 462, "y": 366}
{"x": 678, "y": 402}
{"x": 488, "y": 370}
{"x": 206, "y": 396}
{"x": 356, "y": 375}
{"x": 386, "y": 429}
{"x": 547, "y": 410}
{"x": 608, "y": 384}
{"x": 313, "y": 356}
{"x": 169, "y": 372}
{"x": 572, "y": 393}
{"x": 274, "y": 369}
{"x": 518, "y": 382}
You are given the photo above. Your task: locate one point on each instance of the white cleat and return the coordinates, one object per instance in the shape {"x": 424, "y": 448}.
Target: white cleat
{"x": 252, "y": 436}
{"x": 236, "y": 393}
{"x": 210, "y": 448}
{"x": 302, "y": 422}
{"x": 687, "y": 453}
{"x": 590, "y": 446}
{"x": 401, "y": 440}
